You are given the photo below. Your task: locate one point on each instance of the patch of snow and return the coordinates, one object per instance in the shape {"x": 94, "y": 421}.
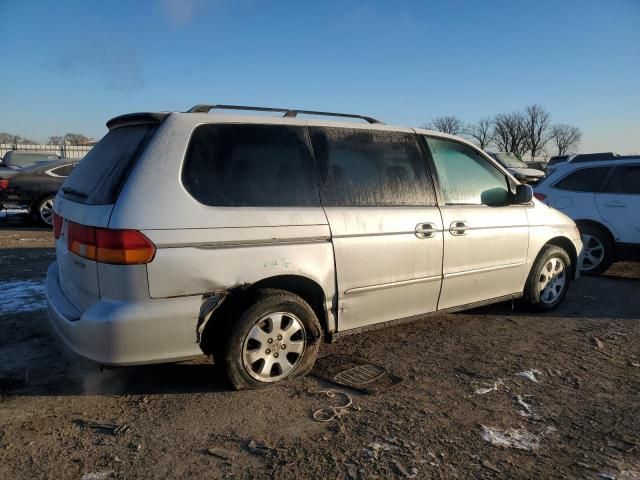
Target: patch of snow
{"x": 492, "y": 388}
{"x": 19, "y": 296}
{"x": 511, "y": 438}
{"x": 96, "y": 476}
{"x": 530, "y": 374}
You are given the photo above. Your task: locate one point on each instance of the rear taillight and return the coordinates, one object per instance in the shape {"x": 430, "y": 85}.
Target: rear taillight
{"x": 119, "y": 247}
{"x": 57, "y": 225}
{"x": 539, "y": 196}
{"x": 4, "y": 184}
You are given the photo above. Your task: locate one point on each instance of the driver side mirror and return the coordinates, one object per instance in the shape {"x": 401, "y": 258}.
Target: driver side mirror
{"x": 524, "y": 194}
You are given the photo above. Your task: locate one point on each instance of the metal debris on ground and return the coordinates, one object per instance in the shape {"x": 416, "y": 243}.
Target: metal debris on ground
{"x": 106, "y": 428}
{"x": 356, "y": 373}
{"x": 331, "y": 412}
{"x": 530, "y": 374}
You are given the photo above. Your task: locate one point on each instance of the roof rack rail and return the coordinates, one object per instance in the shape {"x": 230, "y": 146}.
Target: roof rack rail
{"x": 288, "y": 112}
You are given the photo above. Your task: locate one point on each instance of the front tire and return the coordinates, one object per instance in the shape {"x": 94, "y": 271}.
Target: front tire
{"x": 548, "y": 280}
{"x": 275, "y": 338}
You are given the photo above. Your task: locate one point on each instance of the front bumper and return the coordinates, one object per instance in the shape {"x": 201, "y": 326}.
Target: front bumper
{"x": 114, "y": 332}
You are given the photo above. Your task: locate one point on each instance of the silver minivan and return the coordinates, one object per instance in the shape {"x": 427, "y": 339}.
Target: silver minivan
{"x": 253, "y": 238}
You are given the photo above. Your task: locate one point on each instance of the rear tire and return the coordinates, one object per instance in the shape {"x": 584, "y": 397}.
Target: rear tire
{"x": 275, "y": 338}
{"x": 548, "y": 280}
{"x": 599, "y": 250}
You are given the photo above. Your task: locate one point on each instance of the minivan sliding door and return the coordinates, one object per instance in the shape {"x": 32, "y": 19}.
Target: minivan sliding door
{"x": 385, "y": 226}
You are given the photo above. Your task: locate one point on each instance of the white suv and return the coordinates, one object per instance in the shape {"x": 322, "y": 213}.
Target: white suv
{"x": 603, "y": 197}
{"x": 251, "y": 238}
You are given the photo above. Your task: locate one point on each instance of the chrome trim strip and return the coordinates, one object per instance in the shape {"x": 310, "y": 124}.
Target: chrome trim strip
{"x": 246, "y": 243}
{"x": 482, "y": 270}
{"x": 384, "y": 234}
{"x": 383, "y": 286}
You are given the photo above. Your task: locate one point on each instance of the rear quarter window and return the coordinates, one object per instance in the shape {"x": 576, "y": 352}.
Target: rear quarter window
{"x": 583, "y": 180}
{"x": 98, "y": 178}
{"x": 250, "y": 166}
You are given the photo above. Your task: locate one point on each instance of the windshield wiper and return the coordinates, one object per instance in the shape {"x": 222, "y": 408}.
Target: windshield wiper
{"x": 75, "y": 193}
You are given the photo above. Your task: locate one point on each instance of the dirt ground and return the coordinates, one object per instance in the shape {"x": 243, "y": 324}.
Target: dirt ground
{"x": 461, "y": 411}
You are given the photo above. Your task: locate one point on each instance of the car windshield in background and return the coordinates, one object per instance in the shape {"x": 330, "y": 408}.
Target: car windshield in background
{"x": 510, "y": 160}
{"x": 97, "y": 179}
{"x": 23, "y": 160}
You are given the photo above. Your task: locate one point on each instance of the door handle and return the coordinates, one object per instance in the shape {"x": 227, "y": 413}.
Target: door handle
{"x": 426, "y": 230}
{"x": 458, "y": 228}
{"x": 615, "y": 203}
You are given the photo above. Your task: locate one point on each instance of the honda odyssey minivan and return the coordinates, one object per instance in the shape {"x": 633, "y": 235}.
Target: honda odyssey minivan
{"x": 254, "y": 238}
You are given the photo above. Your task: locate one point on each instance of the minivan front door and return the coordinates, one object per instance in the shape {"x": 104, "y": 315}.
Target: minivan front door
{"x": 485, "y": 237}
{"x": 385, "y": 226}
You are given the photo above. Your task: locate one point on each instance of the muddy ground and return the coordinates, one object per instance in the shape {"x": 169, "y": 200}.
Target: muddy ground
{"x": 62, "y": 417}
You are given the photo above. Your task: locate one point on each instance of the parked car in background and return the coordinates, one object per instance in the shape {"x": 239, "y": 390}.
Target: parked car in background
{"x": 603, "y": 197}
{"x": 537, "y": 165}
{"x": 34, "y": 188}
{"x": 582, "y": 158}
{"x": 15, "y": 160}
{"x": 556, "y": 159}
{"x": 252, "y": 238}
{"x": 518, "y": 168}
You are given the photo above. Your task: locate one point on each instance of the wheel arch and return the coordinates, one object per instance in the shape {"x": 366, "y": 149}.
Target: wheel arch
{"x": 593, "y": 223}
{"x": 567, "y": 245}
{"x": 234, "y": 300}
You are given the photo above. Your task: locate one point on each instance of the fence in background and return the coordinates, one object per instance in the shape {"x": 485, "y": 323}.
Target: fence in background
{"x": 65, "y": 151}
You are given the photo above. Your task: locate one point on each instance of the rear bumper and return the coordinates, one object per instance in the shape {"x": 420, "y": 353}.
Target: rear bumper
{"x": 125, "y": 333}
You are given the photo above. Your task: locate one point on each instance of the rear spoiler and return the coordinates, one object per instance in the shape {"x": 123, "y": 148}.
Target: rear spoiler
{"x": 136, "y": 119}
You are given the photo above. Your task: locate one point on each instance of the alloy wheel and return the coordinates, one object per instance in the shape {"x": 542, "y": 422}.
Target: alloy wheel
{"x": 552, "y": 280}
{"x": 46, "y": 211}
{"x": 274, "y": 347}
{"x": 593, "y": 252}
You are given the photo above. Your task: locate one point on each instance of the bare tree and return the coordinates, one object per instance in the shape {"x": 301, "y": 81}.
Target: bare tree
{"x": 76, "y": 139}
{"x": 481, "y": 133}
{"x": 15, "y": 139}
{"x": 565, "y": 137}
{"x": 55, "y": 140}
{"x": 510, "y": 133}
{"x": 536, "y": 122}
{"x": 449, "y": 124}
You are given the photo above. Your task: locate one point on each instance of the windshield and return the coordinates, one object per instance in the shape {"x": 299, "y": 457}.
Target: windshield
{"x": 510, "y": 160}
{"x": 23, "y": 160}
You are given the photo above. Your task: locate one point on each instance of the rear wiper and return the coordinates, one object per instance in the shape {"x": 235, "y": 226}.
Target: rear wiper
{"x": 75, "y": 193}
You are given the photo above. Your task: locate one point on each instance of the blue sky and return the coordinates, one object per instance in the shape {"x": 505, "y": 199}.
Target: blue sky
{"x": 71, "y": 65}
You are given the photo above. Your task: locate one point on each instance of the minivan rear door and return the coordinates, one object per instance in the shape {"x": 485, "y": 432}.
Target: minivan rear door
{"x": 385, "y": 226}
{"x": 619, "y": 203}
{"x": 87, "y": 198}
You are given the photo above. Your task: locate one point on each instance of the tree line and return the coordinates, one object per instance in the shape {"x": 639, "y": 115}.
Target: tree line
{"x": 528, "y": 131}
{"x": 67, "y": 139}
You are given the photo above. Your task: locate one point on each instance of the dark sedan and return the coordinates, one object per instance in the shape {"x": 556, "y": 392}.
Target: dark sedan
{"x": 34, "y": 188}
